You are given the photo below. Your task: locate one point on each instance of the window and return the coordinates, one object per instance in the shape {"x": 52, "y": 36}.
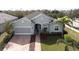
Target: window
{"x": 45, "y": 29}
{"x": 56, "y": 28}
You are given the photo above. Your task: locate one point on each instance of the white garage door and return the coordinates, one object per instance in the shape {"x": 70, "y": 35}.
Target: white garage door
{"x": 24, "y": 31}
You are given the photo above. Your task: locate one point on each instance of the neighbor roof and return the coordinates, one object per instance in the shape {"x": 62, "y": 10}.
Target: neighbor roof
{"x": 6, "y": 17}
{"x": 75, "y": 24}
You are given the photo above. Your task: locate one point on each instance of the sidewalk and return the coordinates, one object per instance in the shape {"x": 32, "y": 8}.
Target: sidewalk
{"x": 37, "y": 43}
{"x": 72, "y": 28}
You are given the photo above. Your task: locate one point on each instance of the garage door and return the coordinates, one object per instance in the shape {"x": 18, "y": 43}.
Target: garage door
{"x": 24, "y": 31}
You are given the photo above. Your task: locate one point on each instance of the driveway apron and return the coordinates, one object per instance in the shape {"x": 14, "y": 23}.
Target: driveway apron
{"x": 37, "y": 43}
{"x": 18, "y": 43}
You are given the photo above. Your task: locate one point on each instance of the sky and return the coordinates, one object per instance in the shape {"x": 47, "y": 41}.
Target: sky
{"x": 38, "y": 4}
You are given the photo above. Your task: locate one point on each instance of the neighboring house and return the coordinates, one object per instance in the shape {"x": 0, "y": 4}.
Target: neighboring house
{"x": 76, "y": 24}
{"x": 5, "y": 17}
{"x": 31, "y": 24}
{"x": 36, "y": 23}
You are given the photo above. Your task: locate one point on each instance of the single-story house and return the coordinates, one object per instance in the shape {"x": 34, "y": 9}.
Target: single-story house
{"x": 5, "y": 17}
{"x": 32, "y": 23}
{"x": 36, "y": 23}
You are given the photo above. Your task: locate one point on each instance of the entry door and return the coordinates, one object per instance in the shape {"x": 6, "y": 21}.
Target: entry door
{"x": 37, "y": 28}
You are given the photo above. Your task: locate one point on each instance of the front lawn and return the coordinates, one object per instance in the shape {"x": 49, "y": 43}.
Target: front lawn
{"x": 50, "y": 44}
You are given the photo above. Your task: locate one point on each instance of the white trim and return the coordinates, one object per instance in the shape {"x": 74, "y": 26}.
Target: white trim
{"x": 24, "y": 33}
{"x": 23, "y": 26}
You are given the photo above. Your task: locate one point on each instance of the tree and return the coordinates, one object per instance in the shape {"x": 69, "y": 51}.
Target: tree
{"x": 8, "y": 27}
{"x": 64, "y": 20}
{"x": 68, "y": 41}
{"x": 56, "y": 14}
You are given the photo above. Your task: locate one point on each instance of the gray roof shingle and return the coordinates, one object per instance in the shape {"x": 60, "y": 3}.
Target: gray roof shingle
{"x": 33, "y": 14}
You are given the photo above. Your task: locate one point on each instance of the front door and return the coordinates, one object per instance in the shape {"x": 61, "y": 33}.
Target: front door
{"x": 37, "y": 28}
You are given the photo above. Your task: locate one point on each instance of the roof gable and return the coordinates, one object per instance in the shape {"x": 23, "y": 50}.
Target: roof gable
{"x": 23, "y": 21}
{"x": 43, "y": 15}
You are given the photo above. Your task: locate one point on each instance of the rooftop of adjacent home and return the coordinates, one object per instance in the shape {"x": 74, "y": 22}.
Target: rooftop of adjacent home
{"x": 6, "y": 17}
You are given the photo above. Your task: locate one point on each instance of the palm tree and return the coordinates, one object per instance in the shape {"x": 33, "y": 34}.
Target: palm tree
{"x": 67, "y": 44}
{"x": 64, "y": 20}
{"x": 8, "y": 27}
{"x": 68, "y": 41}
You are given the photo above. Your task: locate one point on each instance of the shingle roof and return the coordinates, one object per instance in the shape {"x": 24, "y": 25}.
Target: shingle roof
{"x": 33, "y": 14}
{"x": 6, "y": 17}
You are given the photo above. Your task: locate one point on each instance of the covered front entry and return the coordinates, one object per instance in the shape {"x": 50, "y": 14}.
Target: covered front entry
{"x": 37, "y": 28}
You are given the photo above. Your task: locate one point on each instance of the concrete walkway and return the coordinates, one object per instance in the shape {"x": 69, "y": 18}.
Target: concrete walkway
{"x": 18, "y": 43}
{"x": 37, "y": 43}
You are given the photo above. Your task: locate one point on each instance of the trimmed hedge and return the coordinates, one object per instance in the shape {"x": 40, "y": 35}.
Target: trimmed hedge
{"x": 4, "y": 38}
{"x": 68, "y": 38}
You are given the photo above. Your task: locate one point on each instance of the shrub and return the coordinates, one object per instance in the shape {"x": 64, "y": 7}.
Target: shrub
{"x": 8, "y": 27}
{"x": 68, "y": 38}
{"x": 9, "y": 37}
{"x": 4, "y": 38}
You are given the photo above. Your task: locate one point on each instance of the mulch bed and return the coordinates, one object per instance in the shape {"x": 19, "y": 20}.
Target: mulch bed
{"x": 43, "y": 36}
{"x": 32, "y": 43}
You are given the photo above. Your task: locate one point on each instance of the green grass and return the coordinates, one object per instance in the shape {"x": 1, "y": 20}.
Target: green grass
{"x": 50, "y": 44}
{"x": 53, "y": 47}
{"x": 73, "y": 34}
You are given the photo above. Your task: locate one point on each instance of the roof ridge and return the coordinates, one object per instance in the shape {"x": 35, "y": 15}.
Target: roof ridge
{"x": 33, "y": 14}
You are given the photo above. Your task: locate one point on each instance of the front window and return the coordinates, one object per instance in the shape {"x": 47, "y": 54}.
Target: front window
{"x": 56, "y": 28}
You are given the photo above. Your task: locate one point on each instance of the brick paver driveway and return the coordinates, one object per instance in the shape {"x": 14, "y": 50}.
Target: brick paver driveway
{"x": 18, "y": 43}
